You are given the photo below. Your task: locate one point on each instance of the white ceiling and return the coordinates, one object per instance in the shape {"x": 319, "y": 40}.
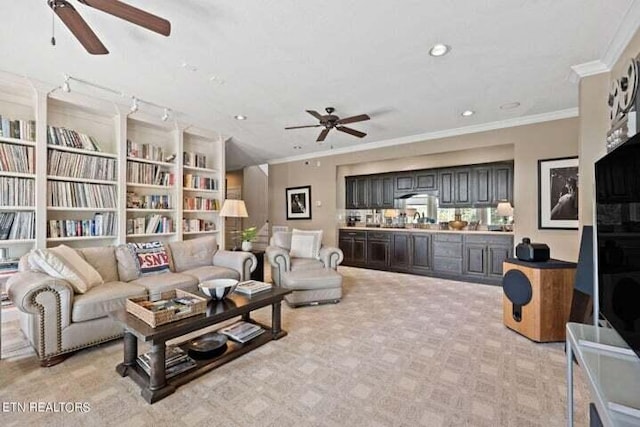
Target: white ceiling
{"x": 273, "y": 59}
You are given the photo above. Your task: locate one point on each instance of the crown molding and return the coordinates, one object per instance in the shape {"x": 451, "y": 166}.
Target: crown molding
{"x": 627, "y": 29}
{"x": 587, "y": 69}
{"x": 502, "y": 124}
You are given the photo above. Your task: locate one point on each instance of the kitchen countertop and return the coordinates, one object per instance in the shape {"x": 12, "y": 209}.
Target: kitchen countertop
{"x": 425, "y": 230}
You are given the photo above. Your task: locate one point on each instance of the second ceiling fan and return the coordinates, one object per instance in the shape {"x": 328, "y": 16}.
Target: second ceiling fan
{"x": 85, "y": 35}
{"x": 330, "y": 121}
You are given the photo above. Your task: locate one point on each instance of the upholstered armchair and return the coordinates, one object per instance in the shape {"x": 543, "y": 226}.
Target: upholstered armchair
{"x": 283, "y": 260}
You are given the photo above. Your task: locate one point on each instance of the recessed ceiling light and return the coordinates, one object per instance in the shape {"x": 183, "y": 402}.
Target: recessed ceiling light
{"x": 439, "y": 50}
{"x": 467, "y": 113}
{"x": 510, "y": 105}
{"x": 240, "y": 117}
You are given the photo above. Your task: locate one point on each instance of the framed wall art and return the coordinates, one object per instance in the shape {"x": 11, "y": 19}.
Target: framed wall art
{"x": 558, "y": 193}
{"x": 299, "y": 202}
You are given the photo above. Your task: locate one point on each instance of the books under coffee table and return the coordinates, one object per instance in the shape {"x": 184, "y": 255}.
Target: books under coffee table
{"x": 242, "y": 331}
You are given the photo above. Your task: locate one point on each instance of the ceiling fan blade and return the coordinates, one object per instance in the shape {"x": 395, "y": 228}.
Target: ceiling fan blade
{"x": 78, "y": 27}
{"x": 131, "y": 14}
{"x": 351, "y": 131}
{"x": 315, "y": 114}
{"x": 353, "y": 119}
{"x": 300, "y": 127}
{"x": 323, "y": 135}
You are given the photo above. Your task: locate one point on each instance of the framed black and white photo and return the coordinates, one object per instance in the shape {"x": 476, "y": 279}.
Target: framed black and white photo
{"x": 299, "y": 202}
{"x": 558, "y": 193}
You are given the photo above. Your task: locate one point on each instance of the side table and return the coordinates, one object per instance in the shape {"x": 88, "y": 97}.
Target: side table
{"x": 258, "y": 273}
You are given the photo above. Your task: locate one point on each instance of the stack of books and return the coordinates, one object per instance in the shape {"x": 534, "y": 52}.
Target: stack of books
{"x": 251, "y": 287}
{"x": 176, "y": 361}
{"x": 242, "y": 331}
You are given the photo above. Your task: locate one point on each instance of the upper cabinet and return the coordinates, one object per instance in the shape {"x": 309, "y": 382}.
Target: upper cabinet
{"x": 426, "y": 180}
{"x": 381, "y": 192}
{"x": 503, "y": 182}
{"x": 357, "y": 192}
{"x": 482, "y": 186}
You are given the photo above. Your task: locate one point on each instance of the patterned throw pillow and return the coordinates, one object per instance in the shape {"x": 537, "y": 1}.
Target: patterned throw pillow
{"x": 151, "y": 257}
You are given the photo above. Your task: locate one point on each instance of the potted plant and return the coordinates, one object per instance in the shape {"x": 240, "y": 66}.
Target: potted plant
{"x": 248, "y": 235}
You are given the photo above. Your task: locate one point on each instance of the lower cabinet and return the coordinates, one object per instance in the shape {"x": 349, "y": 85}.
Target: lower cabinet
{"x": 484, "y": 254}
{"x": 400, "y": 252}
{"x": 420, "y": 252}
{"x": 354, "y": 247}
{"x": 378, "y": 249}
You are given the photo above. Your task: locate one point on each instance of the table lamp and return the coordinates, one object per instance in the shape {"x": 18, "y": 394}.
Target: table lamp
{"x": 233, "y": 208}
{"x": 505, "y": 210}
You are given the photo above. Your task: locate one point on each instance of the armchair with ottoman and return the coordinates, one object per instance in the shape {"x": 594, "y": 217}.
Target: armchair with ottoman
{"x": 299, "y": 262}
{"x": 65, "y": 295}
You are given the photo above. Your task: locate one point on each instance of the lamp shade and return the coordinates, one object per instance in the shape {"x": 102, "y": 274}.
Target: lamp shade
{"x": 505, "y": 209}
{"x": 234, "y": 208}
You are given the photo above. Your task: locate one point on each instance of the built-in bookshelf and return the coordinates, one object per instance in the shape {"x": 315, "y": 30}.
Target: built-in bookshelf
{"x": 80, "y": 170}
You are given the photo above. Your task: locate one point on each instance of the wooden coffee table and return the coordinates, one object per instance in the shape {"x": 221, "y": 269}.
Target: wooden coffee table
{"x": 155, "y": 386}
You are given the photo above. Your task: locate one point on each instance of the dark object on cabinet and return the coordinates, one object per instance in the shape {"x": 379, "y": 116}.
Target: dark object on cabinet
{"x": 534, "y": 252}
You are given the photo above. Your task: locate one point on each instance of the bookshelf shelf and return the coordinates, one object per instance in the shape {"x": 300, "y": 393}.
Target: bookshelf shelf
{"x": 72, "y": 238}
{"x": 196, "y": 169}
{"x": 200, "y": 211}
{"x": 17, "y": 208}
{"x": 200, "y": 190}
{"x": 16, "y": 242}
{"x": 71, "y": 209}
{"x": 152, "y": 162}
{"x": 191, "y": 233}
{"x": 159, "y": 187}
{"x": 86, "y": 180}
{"x": 149, "y": 210}
{"x": 81, "y": 151}
{"x": 17, "y": 141}
{"x": 18, "y": 174}
{"x": 150, "y": 234}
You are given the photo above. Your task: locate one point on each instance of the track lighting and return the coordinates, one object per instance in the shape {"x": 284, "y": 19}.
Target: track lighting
{"x": 65, "y": 86}
{"x": 165, "y": 116}
{"x": 134, "y": 104}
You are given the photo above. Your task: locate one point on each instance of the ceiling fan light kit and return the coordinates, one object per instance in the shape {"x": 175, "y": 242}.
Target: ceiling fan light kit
{"x": 330, "y": 121}
{"x": 85, "y": 35}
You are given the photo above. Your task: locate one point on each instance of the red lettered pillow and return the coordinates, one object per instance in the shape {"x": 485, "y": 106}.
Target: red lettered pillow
{"x": 151, "y": 257}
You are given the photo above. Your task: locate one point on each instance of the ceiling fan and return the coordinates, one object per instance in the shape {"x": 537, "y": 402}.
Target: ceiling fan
{"x": 330, "y": 121}
{"x": 85, "y": 35}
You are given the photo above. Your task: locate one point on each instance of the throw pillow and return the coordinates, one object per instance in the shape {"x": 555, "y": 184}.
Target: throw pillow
{"x": 306, "y": 243}
{"x": 65, "y": 263}
{"x": 151, "y": 257}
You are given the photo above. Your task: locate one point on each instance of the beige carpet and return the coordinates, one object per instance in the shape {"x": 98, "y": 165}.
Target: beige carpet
{"x": 399, "y": 350}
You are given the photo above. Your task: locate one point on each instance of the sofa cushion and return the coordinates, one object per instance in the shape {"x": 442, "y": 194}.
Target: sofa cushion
{"x": 194, "y": 253}
{"x": 212, "y": 272}
{"x": 305, "y": 264}
{"x": 63, "y": 262}
{"x": 151, "y": 257}
{"x": 98, "y": 301}
{"x": 103, "y": 259}
{"x": 127, "y": 264}
{"x": 166, "y": 282}
{"x": 282, "y": 239}
{"x": 306, "y": 243}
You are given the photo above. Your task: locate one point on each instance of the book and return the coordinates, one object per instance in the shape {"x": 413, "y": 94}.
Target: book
{"x": 242, "y": 331}
{"x": 176, "y": 361}
{"x": 251, "y": 287}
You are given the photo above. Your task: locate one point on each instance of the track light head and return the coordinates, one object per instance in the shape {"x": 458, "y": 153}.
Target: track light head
{"x": 134, "y": 104}
{"x": 165, "y": 115}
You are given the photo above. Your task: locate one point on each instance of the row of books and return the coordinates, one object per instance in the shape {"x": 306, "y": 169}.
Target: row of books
{"x": 200, "y": 182}
{"x": 81, "y": 195}
{"x": 176, "y": 360}
{"x": 146, "y": 151}
{"x": 102, "y": 224}
{"x": 149, "y": 201}
{"x": 201, "y": 203}
{"x": 197, "y": 160}
{"x": 17, "y": 158}
{"x": 17, "y": 225}
{"x": 149, "y": 225}
{"x": 144, "y": 173}
{"x": 17, "y": 191}
{"x": 19, "y": 129}
{"x": 190, "y": 225}
{"x": 71, "y": 138}
{"x": 74, "y": 165}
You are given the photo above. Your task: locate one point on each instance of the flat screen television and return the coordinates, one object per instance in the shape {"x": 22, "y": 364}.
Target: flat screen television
{"x": 617, "y": 178}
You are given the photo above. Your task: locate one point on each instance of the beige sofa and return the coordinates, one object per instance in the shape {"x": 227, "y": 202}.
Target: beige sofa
{"x": 58, "y": 321}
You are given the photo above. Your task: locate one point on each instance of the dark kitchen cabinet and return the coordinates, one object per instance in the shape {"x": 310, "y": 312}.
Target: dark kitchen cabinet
{"x": 400, "y": 259}
{"x": 426, "y": 180}
{"x": 482, "y": 186}
{"x": 353, "y": 245}
{"x": 446, "y": 187}
{"x": 380, "y": 192}
{"x": 462, "y": 186}
{"x": 420, "y": 247}
{"x": 475, "y": 260}
{"x": 502, "y": 183}
{"x": 378, "y": 249}
{"x": 403, "y": 183}
{"x": 484, "y": 255}
{"x": 357, "y": 192}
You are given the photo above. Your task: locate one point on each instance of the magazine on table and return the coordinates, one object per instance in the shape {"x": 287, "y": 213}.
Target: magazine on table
{"x": 242, "y": 331}
{"x": 176, "y": 361}
{"x": 251, "y": 287}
